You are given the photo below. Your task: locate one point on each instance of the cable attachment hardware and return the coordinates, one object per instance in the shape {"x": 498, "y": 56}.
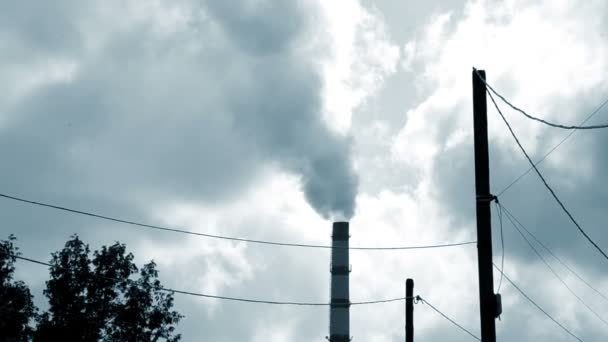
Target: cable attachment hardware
{"x": 486, "y": 198}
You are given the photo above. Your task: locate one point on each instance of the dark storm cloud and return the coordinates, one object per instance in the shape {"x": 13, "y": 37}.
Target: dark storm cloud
{"x": 43, "y": 27}
{"x": 145, "y": 118}
{"x": 153, "y": 116}
{"x": 261, "y": 27}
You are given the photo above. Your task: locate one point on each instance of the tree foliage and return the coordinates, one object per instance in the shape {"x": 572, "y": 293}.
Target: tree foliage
{"x": 16, "y": 306}
{"x": 99, "y": 296}
{"x": 96, "y": 299}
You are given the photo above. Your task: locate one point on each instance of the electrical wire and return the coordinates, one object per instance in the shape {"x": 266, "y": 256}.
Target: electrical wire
{"x": 597, "y": 110}
{"x": 554, "y": 147}
{"x": 555, "y": 256}
{"x": 237, "y": 299}
{"x": 544, "y": 181}
{"x": 182, "y": 231}
{"x": 537, "y": 306}
{"x": 424, "y": 301}
{"x": 554, "y": 272}
{"x": 539, "y": 119}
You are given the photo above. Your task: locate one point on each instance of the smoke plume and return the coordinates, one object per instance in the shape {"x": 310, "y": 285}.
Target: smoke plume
{"x": 170, "y": 101}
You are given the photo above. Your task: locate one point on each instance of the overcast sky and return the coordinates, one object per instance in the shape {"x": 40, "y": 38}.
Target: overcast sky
{"x": 269, "y": 119}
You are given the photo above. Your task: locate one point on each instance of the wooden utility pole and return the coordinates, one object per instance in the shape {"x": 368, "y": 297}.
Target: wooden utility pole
{"x": 409, "y": 310}
{"x": 487, "y": 299}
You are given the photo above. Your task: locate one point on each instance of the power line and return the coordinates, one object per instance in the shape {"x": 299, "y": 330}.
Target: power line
{"x": 446, "y": 317}
{"x": 182, "y": 231}
{"x": 539, "y": 119}
{"x": 597, "y": 110}
{"x": 237, "y": 299}
{"x": 554, "y": 272}
{"x": 554, "y": 255}
{"x": 380, "y": 301}
{"x": 544, "y": 181}
{"x": 537, "y": 306}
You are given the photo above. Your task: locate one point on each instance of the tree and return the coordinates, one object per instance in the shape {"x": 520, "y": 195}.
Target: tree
{"x": 97, "y": 299}
{"x": 16, "y": 306}
{"x": 145, "y": 314}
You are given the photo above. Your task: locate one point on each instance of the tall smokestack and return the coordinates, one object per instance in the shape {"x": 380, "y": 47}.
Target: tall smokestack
{"x": 339, "y": 318}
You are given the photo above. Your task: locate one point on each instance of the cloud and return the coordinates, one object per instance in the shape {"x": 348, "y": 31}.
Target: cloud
{"x": 542, "y": 56}
{"x": 243, "y": 119}
{"x": 439, "y": 126}
{"x": 187, "y": 105}
{"x": 361, "y": 57}
{"x": 136, "y": 109}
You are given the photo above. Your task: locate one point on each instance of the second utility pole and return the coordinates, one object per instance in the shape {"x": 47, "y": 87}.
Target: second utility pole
{"x": 487, "y": 299}
{"x": 409, "y": 310}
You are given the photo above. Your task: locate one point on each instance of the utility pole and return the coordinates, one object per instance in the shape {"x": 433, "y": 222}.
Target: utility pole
{"x": 487, "y": 299}
{"x": 409, "y": 310}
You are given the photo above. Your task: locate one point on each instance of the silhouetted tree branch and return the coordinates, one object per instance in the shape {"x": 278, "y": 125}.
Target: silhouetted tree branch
{"x": 16, "y": 306}
{"x": 100, "y": 299}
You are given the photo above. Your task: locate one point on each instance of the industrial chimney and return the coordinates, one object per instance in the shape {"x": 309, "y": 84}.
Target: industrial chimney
{"x": 339, "y": 319}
